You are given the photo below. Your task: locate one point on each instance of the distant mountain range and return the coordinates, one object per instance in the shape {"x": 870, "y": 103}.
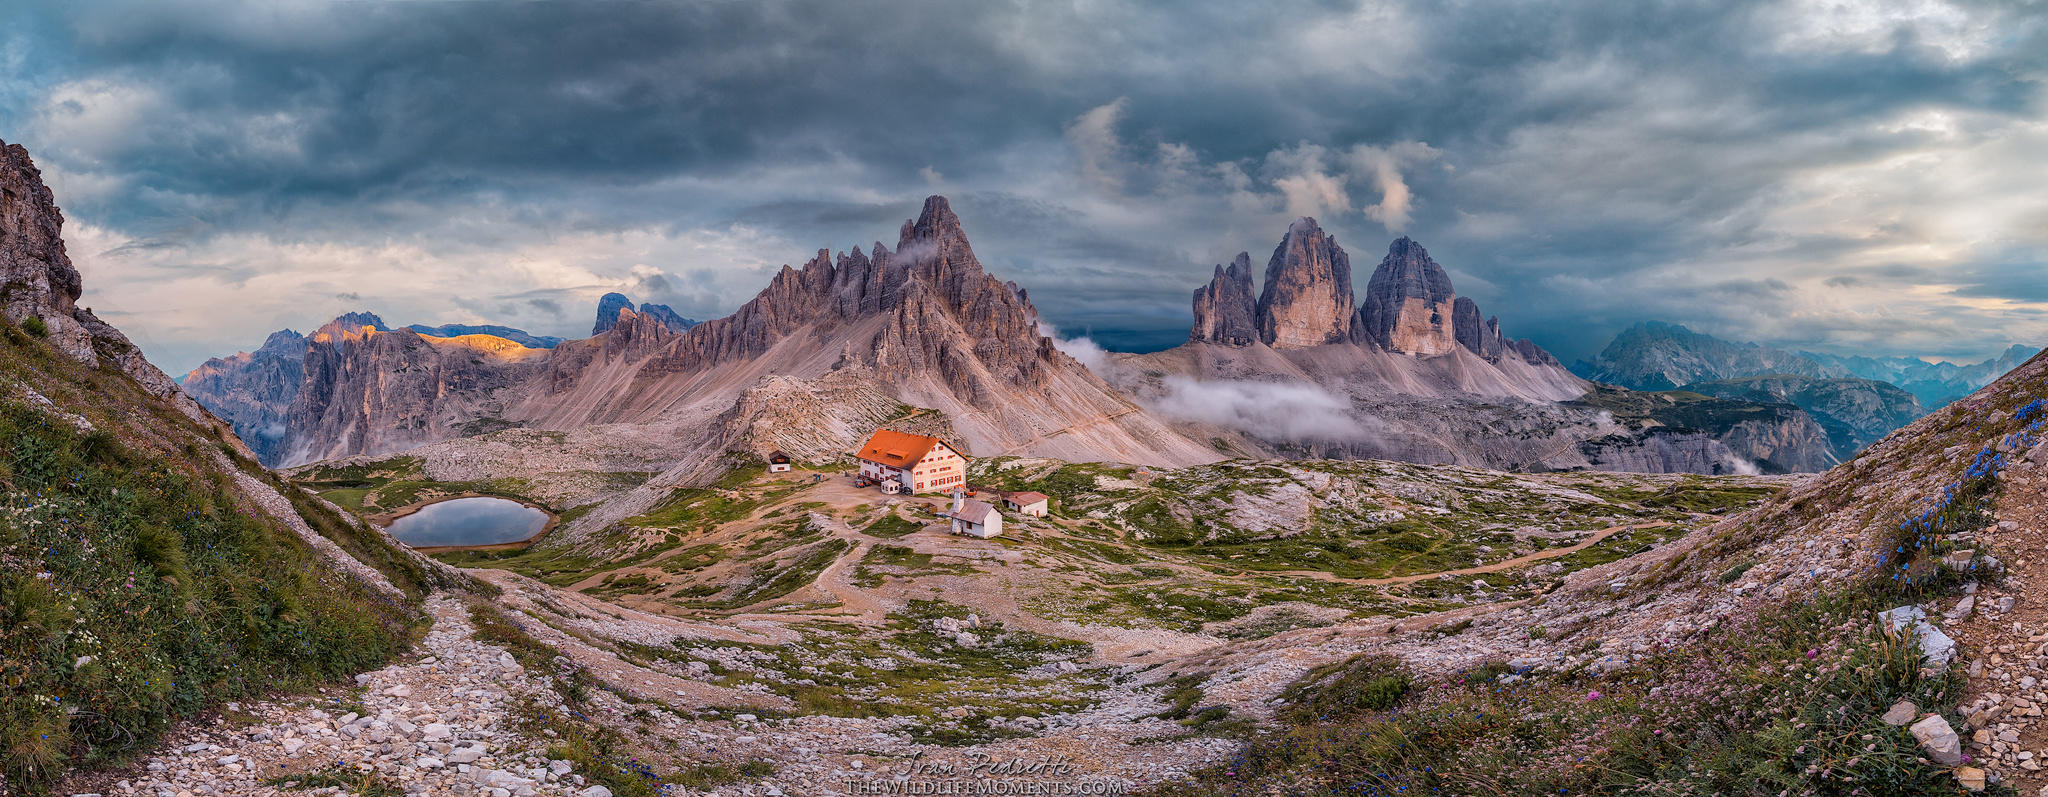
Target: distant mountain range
{"x": 1294, "y": 365}
{"x": 1857, "y": 399}
{"x": 1298, "y": 367}
{"x": 254, "y": 390}
{"x": 837, "y": 347}
{"x": 1657, "y": 356}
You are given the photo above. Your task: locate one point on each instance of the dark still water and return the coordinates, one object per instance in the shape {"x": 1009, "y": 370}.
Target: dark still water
{"x": 469, "y": 521}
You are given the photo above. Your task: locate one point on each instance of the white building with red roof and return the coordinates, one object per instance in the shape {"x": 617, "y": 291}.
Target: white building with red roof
{"x": 913, "y": 462}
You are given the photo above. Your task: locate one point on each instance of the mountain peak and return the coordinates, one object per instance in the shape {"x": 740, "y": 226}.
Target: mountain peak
{"x": 351, "y": 322}
{"x": 608, "y": 308}
{"x": 1408, "y": 303}
{"x": 1225, "y": 310}
{"x": 1307, "y": 298}
{"x": 284, "y": 341}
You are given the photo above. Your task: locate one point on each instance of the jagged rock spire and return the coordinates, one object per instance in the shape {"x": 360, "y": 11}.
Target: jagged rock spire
{"x": 1307, "y": 298}
{"x": 1408, "y": 303}
{"x": 1226, "y": 311}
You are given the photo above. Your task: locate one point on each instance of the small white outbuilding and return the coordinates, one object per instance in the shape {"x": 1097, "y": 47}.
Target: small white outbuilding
{"x": 975, "y": 518}
{"x": 1026, "y": 503}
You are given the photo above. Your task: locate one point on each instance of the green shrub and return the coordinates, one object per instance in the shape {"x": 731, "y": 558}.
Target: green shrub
{"x": 1363, "y": 684}
{"x": 35, "y": 326}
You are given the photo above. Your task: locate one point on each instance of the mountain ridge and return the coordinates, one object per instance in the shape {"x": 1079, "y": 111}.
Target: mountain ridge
{"x": 925, "y": 321}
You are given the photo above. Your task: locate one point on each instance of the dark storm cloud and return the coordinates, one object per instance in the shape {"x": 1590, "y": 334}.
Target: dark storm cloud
{"x": 1586, "y": 165}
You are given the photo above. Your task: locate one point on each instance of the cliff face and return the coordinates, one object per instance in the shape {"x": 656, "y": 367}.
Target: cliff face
{"x": 253, "y": 390}
{"x": 368, "y": 390}
{"x": 1409, "y": 305}
{"x": 40, "y": 282}
{"x": 1226, "y": 311}
{"x": 1307, "y": 299}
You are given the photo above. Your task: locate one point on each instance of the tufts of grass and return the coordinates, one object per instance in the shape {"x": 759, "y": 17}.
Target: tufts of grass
{"x": 1786, "y": 701}
{"x": 140, "y": 588}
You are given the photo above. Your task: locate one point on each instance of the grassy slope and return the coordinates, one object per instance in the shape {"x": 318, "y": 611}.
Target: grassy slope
{"x": 138, "y": 586}
{"x": 1784, "y": 700}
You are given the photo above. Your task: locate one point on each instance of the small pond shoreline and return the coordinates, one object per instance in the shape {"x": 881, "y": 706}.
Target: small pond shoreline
{"x": 383, "y": 520}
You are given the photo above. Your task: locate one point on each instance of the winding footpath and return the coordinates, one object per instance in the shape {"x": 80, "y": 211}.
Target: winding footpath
{"x": 439, "y": 723}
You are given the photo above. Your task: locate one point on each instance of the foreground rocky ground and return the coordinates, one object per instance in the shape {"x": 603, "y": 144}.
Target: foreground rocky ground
{"x": 440, "y": 723}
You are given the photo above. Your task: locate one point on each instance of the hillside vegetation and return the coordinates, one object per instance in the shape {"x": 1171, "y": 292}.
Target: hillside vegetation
{"x": 140, "y": 585}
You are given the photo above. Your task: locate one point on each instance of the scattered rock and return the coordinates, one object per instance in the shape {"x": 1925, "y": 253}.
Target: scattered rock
{"x": 1938, "y": 739}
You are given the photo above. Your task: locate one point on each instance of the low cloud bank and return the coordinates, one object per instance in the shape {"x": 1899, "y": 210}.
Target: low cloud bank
{"x": 1284, "y": 411}
{"x": 1292, "y": 411}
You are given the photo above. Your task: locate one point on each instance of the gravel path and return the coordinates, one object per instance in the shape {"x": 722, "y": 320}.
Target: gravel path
{"x": 437, "y": 724}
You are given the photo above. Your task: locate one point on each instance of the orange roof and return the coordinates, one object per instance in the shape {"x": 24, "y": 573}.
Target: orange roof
{"x": 1026, "y": 498}
{"x": 897, "y": 449}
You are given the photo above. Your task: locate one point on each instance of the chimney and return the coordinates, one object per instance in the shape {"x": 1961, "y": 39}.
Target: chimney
{"x": 959, "y": 500}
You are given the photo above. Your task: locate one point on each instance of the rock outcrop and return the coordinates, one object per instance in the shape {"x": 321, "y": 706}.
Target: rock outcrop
{"x": 1307, "y": 297}
{"x": 1409, "y": 305}
{"x": 608, "y": 308}
{"x": 40, "y": 283}
{"x": 253, "y": 390}
{"x": 1226, "y": 311}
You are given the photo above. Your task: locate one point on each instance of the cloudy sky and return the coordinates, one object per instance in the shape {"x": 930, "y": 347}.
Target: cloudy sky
{"x": 1866, "y": 177}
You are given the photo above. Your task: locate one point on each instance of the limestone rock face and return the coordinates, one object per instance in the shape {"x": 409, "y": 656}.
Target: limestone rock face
{"x": 1409, "y": 305}
{"x": 608, "y": 309}
{"x": 1480, "y": 337}
{"x": 369, "y": 390}
{"x": 253, "y": 390}
{"x": 40, "y": 282}
{"x": 1226, "y": 311}
{"x": 1307, "y": 298}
